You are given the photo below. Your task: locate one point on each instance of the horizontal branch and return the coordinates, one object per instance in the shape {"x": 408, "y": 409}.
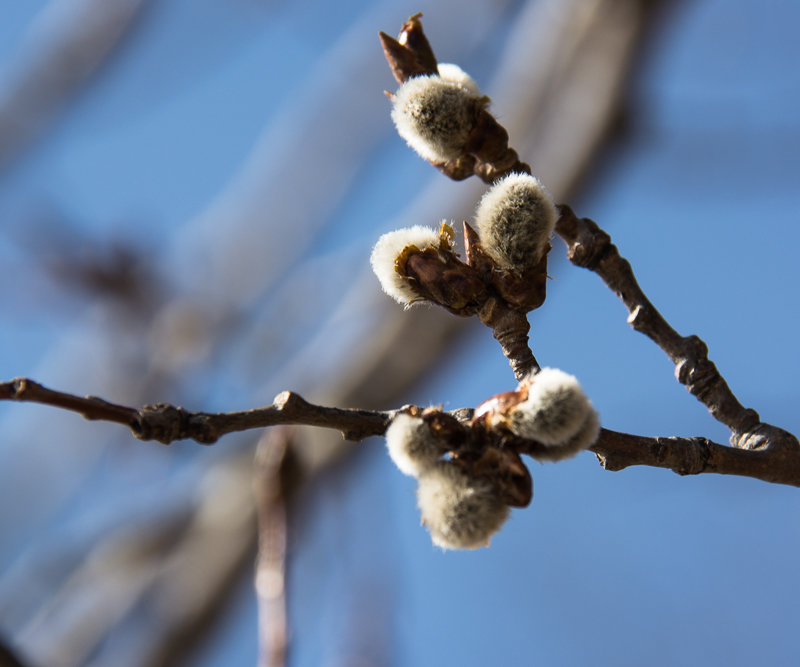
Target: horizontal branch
{"x": 166, "y": 423}
{"x": 775, "y": 463}
{"x": 774, "y": 459}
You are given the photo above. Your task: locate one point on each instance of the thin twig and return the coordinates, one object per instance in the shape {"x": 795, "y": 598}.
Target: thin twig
{"x": 590, "y": 247}
{"x": 166, "y": 423}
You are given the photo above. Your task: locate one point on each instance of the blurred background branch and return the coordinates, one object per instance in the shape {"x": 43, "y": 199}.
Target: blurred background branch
{"x": 184, "y": 133}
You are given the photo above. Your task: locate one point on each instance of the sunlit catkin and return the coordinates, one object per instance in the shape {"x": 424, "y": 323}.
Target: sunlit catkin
{"x": 411, "y": 444}
{"x": 436, "y": 115}
{"x": 514, "y": 221}
{"x": 386, "y": 253}
{"x": 556, "y": 413}
{"x": 460, "y": 512}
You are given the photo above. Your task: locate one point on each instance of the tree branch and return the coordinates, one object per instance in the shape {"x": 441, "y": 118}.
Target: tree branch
{"x": 778, "y": 464}
{"x": 274, "y": 483}
{"x": 590, "y": 247}
{"x": 166, "y": 423}
{"x": 775, "y": 458}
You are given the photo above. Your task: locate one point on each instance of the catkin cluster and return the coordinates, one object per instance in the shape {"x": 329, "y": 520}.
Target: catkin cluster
{"x": 463, "y": 504}
{"x": 463, "y": 500}
{"x": 514, "y": 221}
{"x": 460, "y": 511}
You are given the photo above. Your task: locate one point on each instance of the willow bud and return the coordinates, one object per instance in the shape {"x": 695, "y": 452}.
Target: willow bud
{"x": 392, "y": 246}
{"x": 451, "y": 72}
{"x": 459, "y": 511}
{"x": 416, "y": 264}
{"x": 411, "y": 444}
{"x": 436, "y": 115}
{"x": 514, "y": 220}
{"x": 555, "y": 412}
{"x": 548, "y": 407}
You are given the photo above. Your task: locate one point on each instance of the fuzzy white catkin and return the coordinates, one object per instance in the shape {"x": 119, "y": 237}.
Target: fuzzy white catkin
{"x": 514, "y": 220}
{"x": 411, "y": 445}
{"x": 435, "y": 115}
{"x": 556, "y": 413}
{"x": 386, "y": 251}
{"x": 583, "y": 438}
{"x": 451, "y": 72}
{"x": 460, "y": 512}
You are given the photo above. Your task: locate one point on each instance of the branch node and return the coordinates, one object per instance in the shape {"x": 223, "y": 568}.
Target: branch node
{"x": 19, "y": 387}
{"x": 587, "y": 244}
{"x": 165, "y": 423}
{"x": 289, "y": 402}
{"x": 686, "y": 456}
{"x": 766, "y": 437}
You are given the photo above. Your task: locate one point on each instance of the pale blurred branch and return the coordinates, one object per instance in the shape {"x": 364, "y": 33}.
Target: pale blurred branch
{"x": 68, "y": 41}
{"x": 274, "y": 482}
{"x": 156, "y": 585}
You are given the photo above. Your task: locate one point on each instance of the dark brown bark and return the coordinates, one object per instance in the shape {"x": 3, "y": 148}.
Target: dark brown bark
{"x": 773, "y": 455}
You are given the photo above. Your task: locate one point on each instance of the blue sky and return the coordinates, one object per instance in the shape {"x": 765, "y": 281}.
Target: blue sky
{"x": 184, "y": 138}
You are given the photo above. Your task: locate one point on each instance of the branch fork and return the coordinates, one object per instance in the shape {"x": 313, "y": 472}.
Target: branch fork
{"x": 759, "y": 450}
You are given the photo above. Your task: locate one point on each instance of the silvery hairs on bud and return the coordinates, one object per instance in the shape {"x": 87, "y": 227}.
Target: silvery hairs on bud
{"x": 514, "y": 220}
{"x": 411, "y": 444}
{"x": 388, "y": 249}
{"x": 435, "y": 115}
{"x": 585, "y": 437}
{"x": 451, "y": 72}
{"x": 555, "y": 413}
{"x": 459, "y": 511}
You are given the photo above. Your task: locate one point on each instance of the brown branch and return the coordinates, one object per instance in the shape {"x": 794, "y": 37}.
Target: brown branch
{"x": 590, "y": 247}
{"x": 510, "y": 328}
{"x": 771, "y": 455}
{"x": 89, "y": 407}
{"x": 691, "y": 456}
{"x": 166, "y": 423}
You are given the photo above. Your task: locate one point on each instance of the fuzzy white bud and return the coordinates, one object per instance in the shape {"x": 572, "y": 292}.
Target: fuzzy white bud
{"x": 411, "y": 445}
{"x": 583, "y": 438}
{"x": 435, "y": 115}
{"x": 451, "y": 72}
{"x": 514, "y": 220}
{"x": 460, "y": 512}
{"x": 557, "y": 413}
{"x": 388, "y": 249}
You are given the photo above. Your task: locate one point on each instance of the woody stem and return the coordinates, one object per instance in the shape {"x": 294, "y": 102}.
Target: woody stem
{"x": 510, "y": 327}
